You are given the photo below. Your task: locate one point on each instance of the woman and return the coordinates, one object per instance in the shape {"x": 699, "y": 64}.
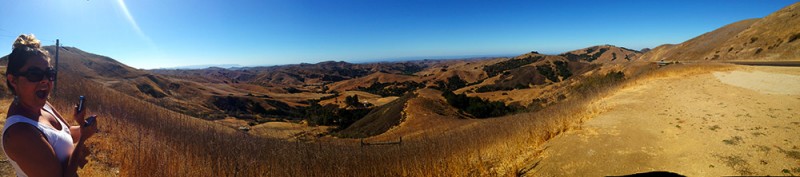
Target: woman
{"x": 36, "y": 139}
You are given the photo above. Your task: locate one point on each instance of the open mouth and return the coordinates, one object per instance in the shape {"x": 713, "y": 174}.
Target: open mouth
{"x": 42, "y": 94}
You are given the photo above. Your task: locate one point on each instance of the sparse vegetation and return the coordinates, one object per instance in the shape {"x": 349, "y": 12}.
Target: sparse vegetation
{"x": 794, "y": 37}
{"x": 561, "y": 71}
{"x": 737, "y": 163}
{"x": 478, "y": 107}
{"x": 585, "y": 56}
{"x": 332, "y": 115}
{"x": 237, "y": 105}
{"x": 411, "y": 69}
{"x": 453, "y": 83}
{"x": 378, "y": 120}
{"x": 332, "y": 78}
{"x": 794, "y": 154}
{"x": 714, "y": 128}
{"x": 149, "y": 90}
{"x": 292, "y": 90}
{"x": 352, "y": 101}
{"x": 492, "y": 88}
{"x": 596, "y": 83}
{"x": 735, "y": 140}
{"x": 392, "y": 88}
{"x": 495, "y": 69}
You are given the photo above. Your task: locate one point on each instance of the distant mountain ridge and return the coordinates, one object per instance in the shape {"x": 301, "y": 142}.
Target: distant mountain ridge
{"x": 227, "y": 66}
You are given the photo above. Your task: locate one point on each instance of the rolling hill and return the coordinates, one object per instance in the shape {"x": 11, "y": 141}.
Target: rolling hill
{"x": 775, "y": 37}
{"x": 603, "y": 54}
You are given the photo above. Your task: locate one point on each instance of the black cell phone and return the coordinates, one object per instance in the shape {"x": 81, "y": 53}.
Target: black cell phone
{"x": 90, "y": 120}
{"x": 80, "y": 103}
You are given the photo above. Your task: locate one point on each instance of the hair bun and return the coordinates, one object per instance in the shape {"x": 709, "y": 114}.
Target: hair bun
{"x": 26, "y": 41}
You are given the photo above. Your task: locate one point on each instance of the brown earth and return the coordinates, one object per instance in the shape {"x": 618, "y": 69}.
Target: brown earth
{"x": 373, "y": 99}
{"x": 741, "y": 121}
{"x": 428, "y": 112}
{"x": 603, "y": 54}
{"x": 696, "y": 48}
{"x": 289, "y": 131}
{"x": 366, "y": 81}
{"x": 775, "y": 37}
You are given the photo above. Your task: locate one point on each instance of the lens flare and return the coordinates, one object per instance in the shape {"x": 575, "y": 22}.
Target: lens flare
{"x": 132, "y": 21}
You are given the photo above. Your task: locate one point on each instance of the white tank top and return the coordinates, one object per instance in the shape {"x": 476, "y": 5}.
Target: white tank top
{"x": 60, "y": 140}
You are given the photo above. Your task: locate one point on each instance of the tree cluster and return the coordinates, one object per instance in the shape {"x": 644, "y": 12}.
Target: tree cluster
{"x": 478, "y": 107}
{"x": 492, "y": 88}
{"x": 453, "y": 83}
{"x": 332, "y": 115}
{"x": 495, "y": 69}
{"x": 561, "y": 69}
{"x": 585, "y": 56}
{"x": 392, "y": 88}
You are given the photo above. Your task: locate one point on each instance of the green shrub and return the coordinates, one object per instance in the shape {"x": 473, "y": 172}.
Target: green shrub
{"x": 453, "y": 83}
{"x": 332, "y": 115}
{"x": 478, "y": 107}
{"x": 561, "y": 69}
{"x": 792, "y": 38}
{"x": 495, "y": 69}
{"x": 392, "y": 88}
{"x": 585, "y": 56}
{"x": 352, "y": 101}
{"x": 492, "y": 88}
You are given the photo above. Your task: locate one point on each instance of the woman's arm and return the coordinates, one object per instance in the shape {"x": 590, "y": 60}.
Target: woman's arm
{"x": 75, "y": 160}
{"x": 78, "y": 156}
{"x": 28, "y": 147}
{"x": 80, "y": 152}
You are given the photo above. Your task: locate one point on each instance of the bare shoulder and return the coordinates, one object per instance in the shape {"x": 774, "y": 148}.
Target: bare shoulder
{"x": 27, "y": 146}
{"x": 23, "y": 138}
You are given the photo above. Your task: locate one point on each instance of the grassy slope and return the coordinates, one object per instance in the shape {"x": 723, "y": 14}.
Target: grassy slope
{"x": 775, "y": 37}
{"x": 378, "y": 120}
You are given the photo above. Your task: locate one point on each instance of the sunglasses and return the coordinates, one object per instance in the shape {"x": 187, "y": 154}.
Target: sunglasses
{"x": 36, "y": 74}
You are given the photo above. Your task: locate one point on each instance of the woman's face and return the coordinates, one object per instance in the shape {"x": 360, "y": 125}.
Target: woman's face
{"x": 30, "y": 93}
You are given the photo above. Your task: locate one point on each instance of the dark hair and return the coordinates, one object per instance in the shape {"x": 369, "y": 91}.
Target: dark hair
{"x": 25, "y": 47}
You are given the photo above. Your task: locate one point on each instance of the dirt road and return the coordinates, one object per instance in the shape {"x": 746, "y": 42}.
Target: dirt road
{"x": 741, "y": 122}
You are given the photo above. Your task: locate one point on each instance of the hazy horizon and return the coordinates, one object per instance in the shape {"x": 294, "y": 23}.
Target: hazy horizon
{"x": 155, "y": 34}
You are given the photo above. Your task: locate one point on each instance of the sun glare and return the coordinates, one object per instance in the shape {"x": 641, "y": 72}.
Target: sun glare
{"x": 132, "y": 21}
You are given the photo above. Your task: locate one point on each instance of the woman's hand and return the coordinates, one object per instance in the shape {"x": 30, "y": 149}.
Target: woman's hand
{"x": 79, "y": 116}
{"x": 86, "y": 131}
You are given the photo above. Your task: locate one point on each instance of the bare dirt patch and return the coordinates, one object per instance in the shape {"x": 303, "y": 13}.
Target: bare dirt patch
{"x": 765, "y": 82}
{"x": 737, "y": 122}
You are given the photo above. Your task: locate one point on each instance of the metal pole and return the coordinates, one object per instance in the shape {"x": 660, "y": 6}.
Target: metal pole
{"x": 56, "y": 77}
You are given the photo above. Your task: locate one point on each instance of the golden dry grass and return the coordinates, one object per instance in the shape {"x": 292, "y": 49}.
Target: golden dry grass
{"x": 141, "y": 139}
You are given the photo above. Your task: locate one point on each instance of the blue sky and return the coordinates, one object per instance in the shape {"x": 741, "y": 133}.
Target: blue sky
{"x": 168, "y": 33}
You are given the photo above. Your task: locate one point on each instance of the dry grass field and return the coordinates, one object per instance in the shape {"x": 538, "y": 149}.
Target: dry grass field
{"x": 141, "y": 139}
{"x": 596, "y": 111}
